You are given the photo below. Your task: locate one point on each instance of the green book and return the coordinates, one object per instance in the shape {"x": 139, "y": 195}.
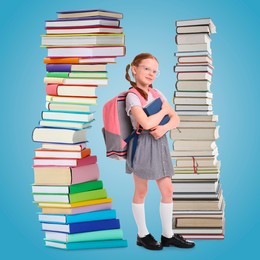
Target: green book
{"x": 85, "y": 236}
{"x": 71, "y": 198}
{"x": 68, "y": 189}
{"x": 77, "y": 74}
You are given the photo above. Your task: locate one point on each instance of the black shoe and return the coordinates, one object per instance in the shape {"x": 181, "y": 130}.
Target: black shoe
{"x": 149, "y": 242}
{"x": 178, "y": 241}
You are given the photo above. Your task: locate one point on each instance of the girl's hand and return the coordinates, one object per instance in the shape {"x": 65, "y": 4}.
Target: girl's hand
{"x": 166, "y": 108}
{"x": 158, "y": 131}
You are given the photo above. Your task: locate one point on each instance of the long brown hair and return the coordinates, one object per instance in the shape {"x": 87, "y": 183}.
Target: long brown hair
{"x": 136, "y": 61}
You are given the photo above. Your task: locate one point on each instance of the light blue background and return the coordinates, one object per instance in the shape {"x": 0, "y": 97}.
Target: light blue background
{"x": 149, "y": 27}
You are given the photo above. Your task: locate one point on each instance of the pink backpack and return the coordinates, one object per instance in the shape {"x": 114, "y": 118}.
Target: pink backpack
{"x": 118, "y": 130}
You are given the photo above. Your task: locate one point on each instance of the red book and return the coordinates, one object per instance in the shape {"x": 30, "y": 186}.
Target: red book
{"x": 64, "y": 162}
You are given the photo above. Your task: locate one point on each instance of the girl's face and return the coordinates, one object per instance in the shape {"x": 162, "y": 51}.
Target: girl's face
{"x": 145, "y": 72}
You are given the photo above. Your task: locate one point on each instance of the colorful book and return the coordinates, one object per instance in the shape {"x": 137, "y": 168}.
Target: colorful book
{"x": 72, "y": 162}
{"x": 80, "y": 227}
{"x": 59, "y": 135}
{"x": 109, "y": 234}
{"x": 89, "y": 13}
{"x": 71, "y": 90}
{"x": 78, "y": 74}
{"x": 153, "y": 108}
{"x": 88, "y": 245}
{"x": 78, "y": 60}
{"x": 106, "y": 205}
{"x": 75, "y": 67}
{"x": 88, "y": 216}
{"x": 70, "y": 198}
{"x": 47, "y": 153}
{"x": 72, "y": 100}
{"x": 69, "y": 189}
{"x": 48, "y": 175}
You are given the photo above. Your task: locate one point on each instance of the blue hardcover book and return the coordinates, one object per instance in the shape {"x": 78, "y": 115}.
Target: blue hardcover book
{"x": 88, "y": 226}
{"x": 154, "y": 107}
{"x": 87, "y": 245}
{"x": 83, "y": 217}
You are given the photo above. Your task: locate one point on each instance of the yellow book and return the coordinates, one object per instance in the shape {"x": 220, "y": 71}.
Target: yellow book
{"x": 74, "y": 205}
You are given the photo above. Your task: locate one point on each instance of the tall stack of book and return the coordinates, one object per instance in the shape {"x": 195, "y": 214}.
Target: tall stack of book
{"x": 197, "y": 197}
{"x": 76, "y": 211}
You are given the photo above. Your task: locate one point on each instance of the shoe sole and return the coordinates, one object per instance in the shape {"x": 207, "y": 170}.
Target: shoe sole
{"x": 140, "y": 244}
{"x": 178, "y": 246}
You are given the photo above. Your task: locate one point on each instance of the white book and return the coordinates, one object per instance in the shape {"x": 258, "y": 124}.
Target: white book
{"x": 64, "y": 147}
{"x": 194, "y": 76}
{"x": 194, "y": 153}
{"x": 193, "y": 29}
{"x": 76, "y": 81}
{"x": 68, "y": 116}
{"x": 194, "y": 47}
{"x": 80, "y": 22}
{"x": 194, "y": 113}
{"x": 194, "y": 59}
{"x": 184, "y": 100}
{"x": 210, "y": 118}
{"x": 195, "y": 133}
{"x": 98, "y": 51}
{"x": 193, "y": 94}
{"x": 186, "y": 145}
{"x": 193, "y": 38}
{"x": 65, "y": 124}
{"x": 67, "y": 107}
{"x": 193, "y": 68}
{"x": 195, "y": 176}
{"x": 83, "y": 30}
{"x": 195, "y": 187}
{"x": 72, "y": 100}
{"x": 197, "y": 124}
{"x": 193, "y": 108}
{"x": 197, "y": 161}
{"x": 195, "y": 22}
{"x": 192, "y": 54}
{"x": 190, "y": 85}
{"x": 77, "y": 40}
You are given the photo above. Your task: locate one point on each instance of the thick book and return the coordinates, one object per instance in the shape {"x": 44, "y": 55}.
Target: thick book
{"x": 83, "y": 217}
{"x": 153, "y": 108}
{"x": 70, "y": 90}
{"x": 54, "y": 176}
{"x": 58, "y": 135}
{"x": 80, "y": 227}
{"x": 109, "y": 234}
{"x": 90, "y": 51}
{"x": 88, "y": 244}
{"x": 69, "y": 40}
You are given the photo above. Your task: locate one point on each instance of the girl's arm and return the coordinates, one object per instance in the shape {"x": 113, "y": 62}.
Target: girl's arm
{"x": 158, "y": 131}
{"x": 148, "y": 122}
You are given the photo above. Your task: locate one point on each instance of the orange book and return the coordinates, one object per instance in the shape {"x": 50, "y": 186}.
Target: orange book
{"x": 48, "y": 153}
{"x": 77, "y": 60}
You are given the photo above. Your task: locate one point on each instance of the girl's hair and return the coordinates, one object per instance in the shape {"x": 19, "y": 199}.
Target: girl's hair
{"x": 137, "y": 60}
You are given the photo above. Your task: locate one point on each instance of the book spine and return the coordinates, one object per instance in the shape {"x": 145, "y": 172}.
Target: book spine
{"x": 58, "y": 67}
{"x": 52, "y": 89}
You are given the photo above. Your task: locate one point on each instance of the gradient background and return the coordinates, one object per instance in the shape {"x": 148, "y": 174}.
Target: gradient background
{"x": 149, "y": 27}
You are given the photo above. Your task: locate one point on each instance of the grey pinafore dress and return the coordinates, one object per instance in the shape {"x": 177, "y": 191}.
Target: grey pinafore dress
{"x": 152, "y": 160}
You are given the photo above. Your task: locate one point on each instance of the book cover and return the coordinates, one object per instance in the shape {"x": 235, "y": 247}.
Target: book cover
{"x": 153, "y": 108}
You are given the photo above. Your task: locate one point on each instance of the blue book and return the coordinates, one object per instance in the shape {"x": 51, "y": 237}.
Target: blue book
{"x": 88, "y": 244}
{"x": 83, "y": 217}
{"x": 154, "y": 107}
{"x": 79, "y": 227}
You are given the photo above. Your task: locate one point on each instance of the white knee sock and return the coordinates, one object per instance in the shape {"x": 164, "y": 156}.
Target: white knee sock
{"x": 139, "y": 216}
{"x": 166, "y": 218}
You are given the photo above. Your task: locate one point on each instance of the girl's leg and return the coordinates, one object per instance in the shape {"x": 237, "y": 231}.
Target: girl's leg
{"x": 138, "y": 205}
{"x": 166, "y": 205}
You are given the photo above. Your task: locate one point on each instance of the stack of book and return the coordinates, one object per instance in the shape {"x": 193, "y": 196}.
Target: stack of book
{"x": 76, "y": 212}
{"x": 197, "y": 197}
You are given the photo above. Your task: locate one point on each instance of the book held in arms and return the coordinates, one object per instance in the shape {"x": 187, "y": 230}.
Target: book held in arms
{"x": 198, "y": 201}
{"x": 75, "y": 208}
